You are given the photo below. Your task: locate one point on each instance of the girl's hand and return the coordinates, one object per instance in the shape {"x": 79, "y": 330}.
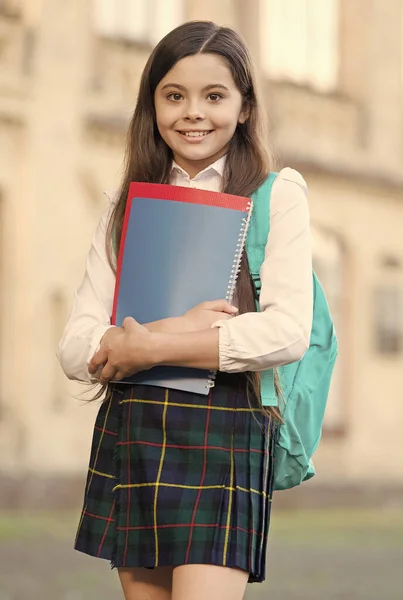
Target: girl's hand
{"x": 104, "y": 344}
{"x": 122, "y": 353}
{"x": 109, "y": 335}
{"x": 205, "y": 314}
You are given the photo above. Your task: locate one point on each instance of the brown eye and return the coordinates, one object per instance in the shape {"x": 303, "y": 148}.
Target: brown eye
{"x": 215, "y": 97}
{"x": 176, "y": 97}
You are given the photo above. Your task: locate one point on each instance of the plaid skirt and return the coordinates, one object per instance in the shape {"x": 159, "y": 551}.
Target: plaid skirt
{"x": 177, "y": 478}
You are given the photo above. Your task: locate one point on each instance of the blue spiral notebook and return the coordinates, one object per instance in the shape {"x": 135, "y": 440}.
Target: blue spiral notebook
{"x": 179, "y": 247}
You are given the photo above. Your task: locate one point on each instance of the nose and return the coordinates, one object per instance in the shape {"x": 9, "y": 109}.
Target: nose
{"x": 194, "y": 111}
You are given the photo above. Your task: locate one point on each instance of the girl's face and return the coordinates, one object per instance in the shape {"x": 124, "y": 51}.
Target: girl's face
{"x": 198, "y": 107}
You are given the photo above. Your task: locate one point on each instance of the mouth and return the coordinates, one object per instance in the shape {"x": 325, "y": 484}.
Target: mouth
{"x": 195, "y": 134}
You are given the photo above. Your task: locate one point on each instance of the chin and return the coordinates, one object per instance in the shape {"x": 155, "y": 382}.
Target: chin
{"x": 199, "y": 154}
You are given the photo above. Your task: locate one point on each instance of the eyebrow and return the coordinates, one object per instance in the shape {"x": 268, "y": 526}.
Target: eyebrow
{"x": 205, "y": 89}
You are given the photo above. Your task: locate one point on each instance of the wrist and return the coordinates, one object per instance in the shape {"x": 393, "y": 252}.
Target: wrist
{"x": 156, "y": 350}
{"x": 187, "y": 324}
{"x": 170, "y": 325}
{"x": 197, "y": 349}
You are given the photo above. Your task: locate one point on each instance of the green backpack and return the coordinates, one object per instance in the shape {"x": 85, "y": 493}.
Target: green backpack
{"x": 305, "y": 383}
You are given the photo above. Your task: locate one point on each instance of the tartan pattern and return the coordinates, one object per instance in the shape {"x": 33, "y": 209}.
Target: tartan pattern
{"x": 177, "y": 478}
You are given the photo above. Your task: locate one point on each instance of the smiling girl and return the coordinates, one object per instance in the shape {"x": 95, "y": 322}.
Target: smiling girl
{"x": 179, "y": 485}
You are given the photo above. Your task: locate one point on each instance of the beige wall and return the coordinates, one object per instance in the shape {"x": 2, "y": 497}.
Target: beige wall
{"x": 61, "y": 140}
{"x": 368, "y": 219}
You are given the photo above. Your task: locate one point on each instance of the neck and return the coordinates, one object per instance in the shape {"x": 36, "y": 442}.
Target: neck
{"x": 194, "y": 167}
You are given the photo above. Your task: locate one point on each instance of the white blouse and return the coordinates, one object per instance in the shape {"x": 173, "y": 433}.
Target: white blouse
{"x": 277, "y": 335}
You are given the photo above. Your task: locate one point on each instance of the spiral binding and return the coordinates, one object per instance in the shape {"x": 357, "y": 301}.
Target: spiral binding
{"x": 236, "y": 267}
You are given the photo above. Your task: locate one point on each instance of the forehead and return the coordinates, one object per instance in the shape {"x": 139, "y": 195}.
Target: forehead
{"x": 199, "y": 71}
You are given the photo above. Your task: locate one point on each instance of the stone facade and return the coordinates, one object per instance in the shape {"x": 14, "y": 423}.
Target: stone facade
{"x": 66, "y": 94}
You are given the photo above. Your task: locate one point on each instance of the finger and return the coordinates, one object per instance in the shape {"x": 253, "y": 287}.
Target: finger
{"x": 119, "y": 375}
{"x": 224, "y": 315}
{"x": 231, "y": 309}
{"x": 97, "y": 373}
{"x": 99, "y": 359}
{"x": 128, "y": 323}
{"x": 108, "y": 373}
{"x": 212, "y": 304}
{"x": 222, "y": 306}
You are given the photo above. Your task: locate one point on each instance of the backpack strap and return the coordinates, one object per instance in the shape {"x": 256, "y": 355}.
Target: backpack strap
{"x": 260, "y": 219}
{"x": 258, "y": 233}
{"x": 259, "y": 228}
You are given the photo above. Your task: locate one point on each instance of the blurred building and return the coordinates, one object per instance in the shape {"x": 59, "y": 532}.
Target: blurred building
{"x": 331, "y": 73}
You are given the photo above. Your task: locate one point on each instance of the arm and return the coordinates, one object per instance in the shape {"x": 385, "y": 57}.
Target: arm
{"x": 171, "y": 325}
{"x": 90, "y": 315}
{"x": 139, "y": 348}
{"x": 198, "y": 349}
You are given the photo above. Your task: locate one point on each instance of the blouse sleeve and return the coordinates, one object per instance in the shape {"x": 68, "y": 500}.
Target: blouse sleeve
{"x": 280, "y": 333}
{"x": 92, "y": 309}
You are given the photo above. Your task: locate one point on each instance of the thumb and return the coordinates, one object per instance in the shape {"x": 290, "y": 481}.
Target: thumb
{"x": 129, "y": 323}
{"x": 231, "y": 309}
{"x": 224, "y": 306}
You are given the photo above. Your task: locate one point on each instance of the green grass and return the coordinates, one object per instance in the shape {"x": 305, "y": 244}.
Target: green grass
{"x": 339, "y": 527}
{"x": 28, "y": 525}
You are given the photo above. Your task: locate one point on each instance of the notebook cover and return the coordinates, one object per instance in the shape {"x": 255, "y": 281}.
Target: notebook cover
{"x": 180, "y": 246}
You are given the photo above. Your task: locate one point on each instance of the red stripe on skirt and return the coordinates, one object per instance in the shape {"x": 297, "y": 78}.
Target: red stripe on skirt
{"x": 105, "y": 430}
{"x": 184, "y": 447}
{"x": 109, "y": 521}
{"x": 88, "y": 514}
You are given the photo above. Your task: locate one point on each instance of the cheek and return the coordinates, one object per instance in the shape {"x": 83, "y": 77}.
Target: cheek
{"x": 226, "y": 119}
{"x": 166, "y": 116}
{"x": 160, "y": 115}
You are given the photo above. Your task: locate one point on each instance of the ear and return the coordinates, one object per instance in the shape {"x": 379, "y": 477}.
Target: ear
{"x": 244, "y": 114}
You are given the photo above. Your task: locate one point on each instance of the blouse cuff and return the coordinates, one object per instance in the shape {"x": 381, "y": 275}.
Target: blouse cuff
{"x": 227, "y": 364}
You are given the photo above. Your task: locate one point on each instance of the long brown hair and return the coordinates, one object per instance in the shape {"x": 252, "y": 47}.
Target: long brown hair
{"x": 149, "y": 159}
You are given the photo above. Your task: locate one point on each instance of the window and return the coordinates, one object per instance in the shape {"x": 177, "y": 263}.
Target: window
{"x": 143, "y": 21}
{"x": 329, "y": 264}
{"x": 299, "y": 41}
{"x": 388, "y": 320}
{"x": 388, "y": 310}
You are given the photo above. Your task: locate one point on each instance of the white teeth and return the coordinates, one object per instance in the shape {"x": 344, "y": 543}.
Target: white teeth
{"x": 195, "y": 133}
